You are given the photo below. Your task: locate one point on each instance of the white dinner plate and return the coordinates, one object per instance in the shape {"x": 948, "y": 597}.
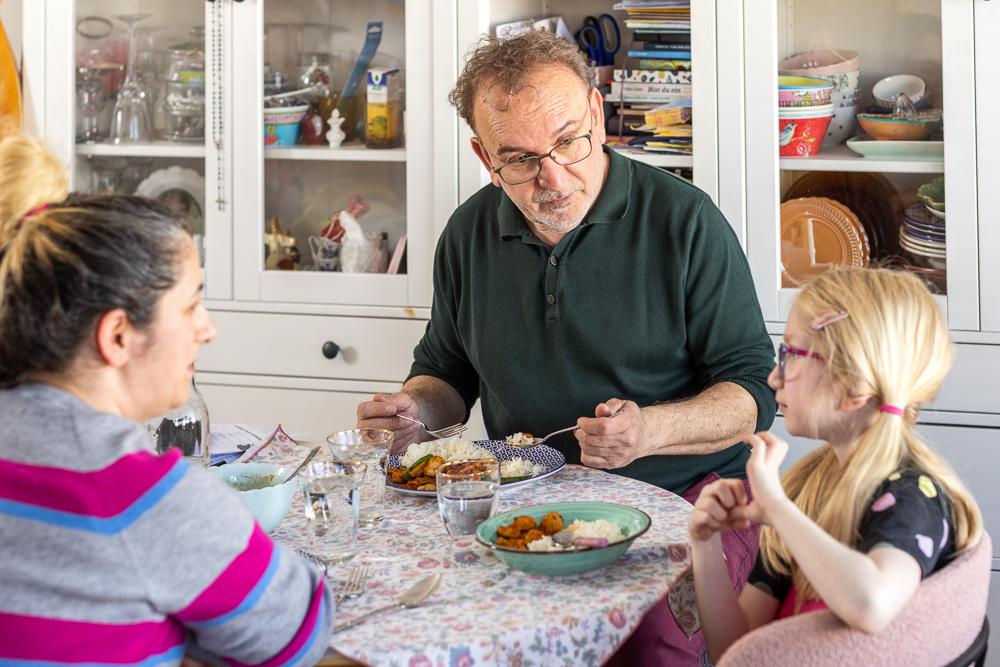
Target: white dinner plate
{"x": 552, "y": 459}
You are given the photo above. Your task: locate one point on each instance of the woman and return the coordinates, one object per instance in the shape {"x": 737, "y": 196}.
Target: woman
{"x": 110, "y": 553}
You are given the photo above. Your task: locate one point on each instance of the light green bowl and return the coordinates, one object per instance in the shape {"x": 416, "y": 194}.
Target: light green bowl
{"x": 270, "y": 504}
{"x": 633, "y": 523}
{"x": 932, "y": 194}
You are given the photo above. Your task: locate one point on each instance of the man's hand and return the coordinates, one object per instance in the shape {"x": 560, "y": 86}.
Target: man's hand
{"x": 718, "y": 508}
{"x": 381, "y": 411}
{"x": 612, "y": 442}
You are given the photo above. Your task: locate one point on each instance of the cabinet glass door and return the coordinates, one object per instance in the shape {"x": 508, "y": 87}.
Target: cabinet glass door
{"x": 334, "y": 212}
{"x": 663, "y": 54}
{"x": 133, "y": 105}
{"x": 987, "y": 18}
{"x": 829, "y": 187}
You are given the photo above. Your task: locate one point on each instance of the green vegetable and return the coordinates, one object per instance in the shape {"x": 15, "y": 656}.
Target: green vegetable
{"x": 511, "y": 480}
{"x": 417, "y": 465}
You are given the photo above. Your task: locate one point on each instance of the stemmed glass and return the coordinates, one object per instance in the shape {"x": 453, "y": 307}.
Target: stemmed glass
{"x": 130, "y": 121}
{"x": 91, "y": 98}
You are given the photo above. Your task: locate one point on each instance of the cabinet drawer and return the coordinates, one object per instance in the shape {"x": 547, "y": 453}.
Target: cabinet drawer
{"x": 292, "y": 346}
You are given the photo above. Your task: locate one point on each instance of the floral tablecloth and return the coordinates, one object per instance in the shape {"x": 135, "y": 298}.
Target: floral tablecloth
{"x": 487, "y": 614}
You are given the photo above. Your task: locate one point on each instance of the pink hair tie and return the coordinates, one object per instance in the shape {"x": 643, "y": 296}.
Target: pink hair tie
{"x": 892, "y": 410}
{"x": 33, "y": 211}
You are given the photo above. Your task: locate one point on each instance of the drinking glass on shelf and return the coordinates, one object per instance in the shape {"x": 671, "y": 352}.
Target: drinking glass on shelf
{"x": 106, "y": 175}
{"x": 467, "y": 494}
{"x": 91, "y": 98}
{"x": 130, "y": 121}
{"x": 372, "y": 447}
{"x": 330, "y": 494}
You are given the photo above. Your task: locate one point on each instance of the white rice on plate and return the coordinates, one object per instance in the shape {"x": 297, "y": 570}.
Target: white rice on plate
{"x": 596, "y": 528}
{"x": 457, "y": 449}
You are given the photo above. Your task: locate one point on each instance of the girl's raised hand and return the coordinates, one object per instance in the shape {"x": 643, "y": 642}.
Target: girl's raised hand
{"x": 762, "y": 470}
{"x": 716, "y": 509}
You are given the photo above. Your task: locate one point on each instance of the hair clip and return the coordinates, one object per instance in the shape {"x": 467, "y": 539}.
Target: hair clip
{"x": 826, "y": 319}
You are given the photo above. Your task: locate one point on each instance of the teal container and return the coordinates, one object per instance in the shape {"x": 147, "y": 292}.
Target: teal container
{"x": 268, "y": 505}
{"x": 633, "y": 523}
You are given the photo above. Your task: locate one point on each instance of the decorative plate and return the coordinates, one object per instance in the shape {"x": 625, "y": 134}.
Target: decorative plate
{"x": 182, "y": 190}
{"x": 896, "y": 150}
{"x": 817, "y": 234}
{"x": 552, "y": 459}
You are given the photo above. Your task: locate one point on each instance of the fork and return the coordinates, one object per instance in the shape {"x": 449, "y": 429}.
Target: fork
{"x": 355, "y": 585}
{"x": 446, "y": 432}
{"x": 539, "y": 441}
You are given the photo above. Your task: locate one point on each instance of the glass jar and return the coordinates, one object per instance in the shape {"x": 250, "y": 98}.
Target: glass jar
{"x": 185, "y": 427}
{"x": 313, "y": 69}
{"x": 184, "y": 106}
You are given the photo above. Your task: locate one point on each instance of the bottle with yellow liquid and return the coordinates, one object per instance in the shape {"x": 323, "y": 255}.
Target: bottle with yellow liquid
{"x": 10, "y": 88}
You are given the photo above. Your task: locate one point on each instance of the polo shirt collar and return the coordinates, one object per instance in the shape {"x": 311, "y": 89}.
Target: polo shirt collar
{"x": 611, "y": 205}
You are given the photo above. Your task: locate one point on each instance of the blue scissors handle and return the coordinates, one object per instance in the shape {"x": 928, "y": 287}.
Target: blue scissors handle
{"x": 593, "y": 38}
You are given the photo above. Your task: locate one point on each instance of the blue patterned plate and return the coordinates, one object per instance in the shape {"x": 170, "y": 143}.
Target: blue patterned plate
{"x": 552, "y": 459}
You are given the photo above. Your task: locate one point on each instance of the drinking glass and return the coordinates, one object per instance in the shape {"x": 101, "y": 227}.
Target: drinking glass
{"x": 130, "y": 120}
{"x": 372, "y": 447}
{"x": 91, "y": 98}
{"x": 467, "y": 494}
{"x": 330, "y": 495}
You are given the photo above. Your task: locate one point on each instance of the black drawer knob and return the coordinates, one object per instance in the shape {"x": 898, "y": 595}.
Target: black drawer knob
{"x": 330, "y": 349}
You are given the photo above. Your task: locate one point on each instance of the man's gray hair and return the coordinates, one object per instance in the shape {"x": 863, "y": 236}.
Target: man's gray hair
{"x": 497, "y": 66}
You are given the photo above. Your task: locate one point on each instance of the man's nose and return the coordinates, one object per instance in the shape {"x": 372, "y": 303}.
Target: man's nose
{"x": 551, "y": 175}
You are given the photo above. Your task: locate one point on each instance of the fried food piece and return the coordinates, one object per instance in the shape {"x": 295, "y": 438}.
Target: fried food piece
{"x": 427, "y": 487}
{"x": 509, "y": 531}
{"x": 552, "y": 523}
{"x": 396, "y": 475}
{"x": 532, "y": 535}
{"x": 524, "y": 523}
{"x": 512, "y": 543}
{"x": 432, "y": 466}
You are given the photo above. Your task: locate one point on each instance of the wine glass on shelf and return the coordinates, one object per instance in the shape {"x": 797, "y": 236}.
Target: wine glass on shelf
{"x": 130, "y": 122}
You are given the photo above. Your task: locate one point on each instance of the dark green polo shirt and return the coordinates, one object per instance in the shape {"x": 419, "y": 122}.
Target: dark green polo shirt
{"x": 650, "y": 299}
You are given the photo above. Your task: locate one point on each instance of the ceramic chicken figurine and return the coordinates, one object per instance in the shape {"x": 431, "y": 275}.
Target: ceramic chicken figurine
{"x": 357, "y": 249}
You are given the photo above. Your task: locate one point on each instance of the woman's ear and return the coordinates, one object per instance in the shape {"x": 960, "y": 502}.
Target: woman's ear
{"x": 115, "y": 338}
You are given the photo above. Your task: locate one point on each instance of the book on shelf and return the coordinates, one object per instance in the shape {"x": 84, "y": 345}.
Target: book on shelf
{"x": 649, "y": 92}
{"x": 663, "y": 54}
{"x": 669, "y": 65}
{"x": 664, "y": 46}
{"x": 651, "y": 76}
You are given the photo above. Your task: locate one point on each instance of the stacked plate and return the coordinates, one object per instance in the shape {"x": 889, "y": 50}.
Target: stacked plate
{"x": 922, "y": 235}
{"x": 818, "y": 234}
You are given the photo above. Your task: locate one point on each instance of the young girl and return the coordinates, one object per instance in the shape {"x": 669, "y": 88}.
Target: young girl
{"x": 860, "y": 521}
{"x": 111, "y": 554}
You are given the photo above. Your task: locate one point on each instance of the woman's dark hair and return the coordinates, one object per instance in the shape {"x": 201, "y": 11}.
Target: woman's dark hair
{"x": 65, "y": 261}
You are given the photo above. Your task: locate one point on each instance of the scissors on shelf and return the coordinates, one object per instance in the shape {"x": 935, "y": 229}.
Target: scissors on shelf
{"x": 600, "y": 39}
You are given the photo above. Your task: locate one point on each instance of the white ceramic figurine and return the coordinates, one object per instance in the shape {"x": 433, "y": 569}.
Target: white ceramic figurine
{"x": 335, "y": 136}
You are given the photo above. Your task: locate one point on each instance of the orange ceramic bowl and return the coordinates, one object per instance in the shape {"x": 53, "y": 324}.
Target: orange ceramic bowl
{"x": 884, "y": 127}
{"x": 801, "y": 137}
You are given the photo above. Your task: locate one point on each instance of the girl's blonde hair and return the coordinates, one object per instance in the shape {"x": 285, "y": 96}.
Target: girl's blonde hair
{"x": 894, "y": 347}
{"x": 65, "y": 260}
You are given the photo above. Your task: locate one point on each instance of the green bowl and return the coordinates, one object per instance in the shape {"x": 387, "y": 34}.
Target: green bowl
{"x": 268, "y": 504}
{"x": 932, "y": 194}
{"x": 633, "y": 523}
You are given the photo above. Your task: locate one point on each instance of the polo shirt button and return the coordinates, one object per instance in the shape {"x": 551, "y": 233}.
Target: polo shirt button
{"x": 550, "y": 299}
{"x": 553, "y": 260}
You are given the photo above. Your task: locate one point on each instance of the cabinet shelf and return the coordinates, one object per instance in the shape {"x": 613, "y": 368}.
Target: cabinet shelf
{"x": 350, "y": 153}
{"x": 164, "y": 149}
{"x": 661, "y": 160}
{"x": 842, "y": 158}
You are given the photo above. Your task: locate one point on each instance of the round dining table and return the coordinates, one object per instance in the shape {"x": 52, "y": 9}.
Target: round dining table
{"x": 483, "y": 612}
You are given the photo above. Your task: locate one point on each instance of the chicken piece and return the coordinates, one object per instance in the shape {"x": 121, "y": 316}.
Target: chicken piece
{"x": 532, "y": 535}
{"x": 396, "y": 475}
{"x": 432, "y": 466}
{"x": 512, "y": 543}
{"x": 552, "y": 523}
{"x": 427, "y": 487}
{"x": 510, "y": 531}
{"x": 523, "y": 523}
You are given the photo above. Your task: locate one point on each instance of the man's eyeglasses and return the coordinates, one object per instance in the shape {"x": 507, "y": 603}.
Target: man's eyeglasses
{"x": 785, "y": 351}
{"x": 525, "y": 168}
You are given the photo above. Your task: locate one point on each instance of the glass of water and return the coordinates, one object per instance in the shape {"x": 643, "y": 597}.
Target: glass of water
{"x": 371, "y": 446}
{"x": 330, "y": 491}
{"x": 467, "y": 494}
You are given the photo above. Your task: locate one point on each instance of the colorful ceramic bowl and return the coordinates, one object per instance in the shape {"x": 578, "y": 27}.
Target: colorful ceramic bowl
{"x": 891, "y": 127}
{"x": 806, "y": 112}
{"x": 268, "y": 504}
{"x": 885, "y": 91}
{"x": 282, "y": 124}
{"x": 801, "y": 137}
{"x": 824, "y": 63}
{"x": 633, "y": 523}
{"x": 932, "y": 194}
{"x": 803, "y": 91}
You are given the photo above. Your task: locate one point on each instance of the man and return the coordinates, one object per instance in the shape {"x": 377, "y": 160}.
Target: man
{"x": 581, "y": 283}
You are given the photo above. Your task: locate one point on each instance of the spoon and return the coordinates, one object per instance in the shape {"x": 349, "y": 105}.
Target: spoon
{"x": 308, "y": 458}
{"x": 567, "y": 538}
{"x": 528, "y": 443}
{"x": 417, "y": 593}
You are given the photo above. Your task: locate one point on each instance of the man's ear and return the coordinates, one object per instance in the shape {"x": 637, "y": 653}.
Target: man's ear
{"x": 477, "y": 148}
{"x": 597, "y": 110}
{"x": 115, "y": 338}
